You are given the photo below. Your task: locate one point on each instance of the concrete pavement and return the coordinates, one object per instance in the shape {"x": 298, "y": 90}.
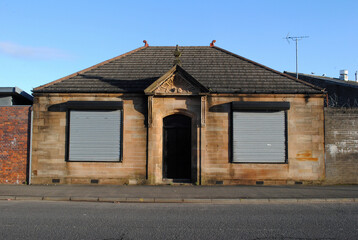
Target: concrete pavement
{"x": 182, "y": 194}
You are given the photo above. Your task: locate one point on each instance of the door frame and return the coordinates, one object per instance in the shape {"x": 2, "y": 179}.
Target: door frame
{"x": 164, "y": 145}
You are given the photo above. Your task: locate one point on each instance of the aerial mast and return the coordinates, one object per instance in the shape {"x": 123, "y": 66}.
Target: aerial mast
{"x": 296, "y": 39}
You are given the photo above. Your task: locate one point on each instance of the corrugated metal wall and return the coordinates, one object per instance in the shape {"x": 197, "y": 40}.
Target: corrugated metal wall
{"x": 259, "y": 137}
{"x": 95, "y": 135}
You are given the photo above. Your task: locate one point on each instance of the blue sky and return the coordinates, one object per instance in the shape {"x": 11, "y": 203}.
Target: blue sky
{"x": 41, "y": 41}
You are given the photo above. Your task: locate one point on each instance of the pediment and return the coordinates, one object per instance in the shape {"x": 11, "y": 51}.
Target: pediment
{"x": 176, "y": 82}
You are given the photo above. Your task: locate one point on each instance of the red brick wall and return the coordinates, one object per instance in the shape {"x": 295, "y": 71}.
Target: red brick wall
{"x": 14, "y": 143}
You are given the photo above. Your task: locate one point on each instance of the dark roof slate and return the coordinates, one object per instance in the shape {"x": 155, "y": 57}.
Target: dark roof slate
{"x": 215, "y": 68}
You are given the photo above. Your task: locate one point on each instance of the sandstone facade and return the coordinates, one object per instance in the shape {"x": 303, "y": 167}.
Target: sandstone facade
{"x": 211, "y": 128}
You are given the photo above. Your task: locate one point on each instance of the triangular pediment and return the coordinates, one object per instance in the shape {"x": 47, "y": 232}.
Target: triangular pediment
{"x": 176, "y": 82}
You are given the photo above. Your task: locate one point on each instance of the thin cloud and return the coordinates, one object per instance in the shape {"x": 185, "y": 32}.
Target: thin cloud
{"x": 41, "y": 53}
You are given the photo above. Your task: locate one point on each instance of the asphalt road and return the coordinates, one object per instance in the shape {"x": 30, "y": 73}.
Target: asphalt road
{"x": 81, "y": 220}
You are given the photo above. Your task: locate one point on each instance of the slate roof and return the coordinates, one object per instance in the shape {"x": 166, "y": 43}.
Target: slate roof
{"x": 217, "y": 69}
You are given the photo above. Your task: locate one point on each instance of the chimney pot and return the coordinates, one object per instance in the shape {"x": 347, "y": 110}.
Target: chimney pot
{"x": 343, "y": 75}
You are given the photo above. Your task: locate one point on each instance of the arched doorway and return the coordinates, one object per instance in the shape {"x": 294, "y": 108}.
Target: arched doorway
{"x": 177, "y": 147}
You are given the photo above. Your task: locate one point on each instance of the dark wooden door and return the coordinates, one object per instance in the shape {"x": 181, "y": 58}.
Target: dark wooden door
{"x": 177, "y": 147}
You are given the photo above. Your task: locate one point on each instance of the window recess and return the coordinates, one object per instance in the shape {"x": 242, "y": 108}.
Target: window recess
{"x": 259, "y": 132}
{"x": 94, "y": 131}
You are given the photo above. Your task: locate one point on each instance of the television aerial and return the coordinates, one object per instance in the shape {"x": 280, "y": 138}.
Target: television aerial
{"x": 295, "y": 39}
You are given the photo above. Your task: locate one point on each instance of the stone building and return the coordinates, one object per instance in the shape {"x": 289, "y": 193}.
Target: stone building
{"x": 15, "y": 124}
{"x": 159, "y": 115}
{"x": 341, "y": 127}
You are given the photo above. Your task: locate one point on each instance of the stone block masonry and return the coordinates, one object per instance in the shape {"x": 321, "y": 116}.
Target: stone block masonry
{"x": 50, "y": 122}
{"x": 341, "y": 143}
{"x": 142, "y": 142}
{"x": 305, "y": 144}
{"x": 14, "y": 144}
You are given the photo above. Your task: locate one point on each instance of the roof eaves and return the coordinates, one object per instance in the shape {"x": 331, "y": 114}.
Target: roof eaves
{"x": 77, "y": 90}
{"x": 310, "y": 75}
{"x": 38, "y": 89}
{"x": 15, "y": 91}
{"x": 269, "y": 69}
{"x": 338, "y": 81}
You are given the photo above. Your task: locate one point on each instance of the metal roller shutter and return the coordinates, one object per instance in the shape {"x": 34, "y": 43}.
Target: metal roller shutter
{"x": 95, "y": 135}
{"x": 259, "y": 137}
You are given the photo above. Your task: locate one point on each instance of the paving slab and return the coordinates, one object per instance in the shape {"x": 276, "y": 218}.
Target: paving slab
{"x": 29, "y": 198}
{"x": 111, "y": 199}
{"x": 140, "y": 200}
{"x": 311, "y": 200}
{"x": 84, "y": 199}
{"x": 339, "y": 199}
{"x": 283, "y": 200}
{"x": 250, "y": 200}
{"x": 196, "y": 200}
{"x": 225, "y": 201}
{"x": 49, "y": 198}
{"x": 168, "y": 200}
